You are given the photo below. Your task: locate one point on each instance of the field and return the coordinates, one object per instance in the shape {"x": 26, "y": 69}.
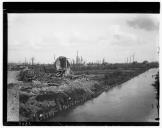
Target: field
{"x": 42, "y": 95}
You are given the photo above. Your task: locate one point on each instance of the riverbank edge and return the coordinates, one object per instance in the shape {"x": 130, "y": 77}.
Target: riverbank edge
{"x": 157, "y": 89}
{"x": 75, "y": 103}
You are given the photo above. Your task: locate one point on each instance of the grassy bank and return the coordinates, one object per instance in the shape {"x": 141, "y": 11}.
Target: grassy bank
{"x": 45, "y": 96}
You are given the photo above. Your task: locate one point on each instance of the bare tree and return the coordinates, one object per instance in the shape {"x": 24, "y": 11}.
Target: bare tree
{"x": 32, "y": 59}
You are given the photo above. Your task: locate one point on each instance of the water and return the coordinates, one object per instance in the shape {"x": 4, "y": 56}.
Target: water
{"x": 132, "y": 101}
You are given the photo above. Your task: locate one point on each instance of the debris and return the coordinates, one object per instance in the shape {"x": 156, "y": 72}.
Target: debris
{"x": 36, "y": 82}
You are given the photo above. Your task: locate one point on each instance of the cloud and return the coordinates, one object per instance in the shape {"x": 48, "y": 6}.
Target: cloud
{"x": 144, "y": 22}
{"x": 124, "y": 40}
{"x": 122, "y": 37}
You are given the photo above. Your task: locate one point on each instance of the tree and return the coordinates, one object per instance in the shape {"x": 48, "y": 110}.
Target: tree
{"x": 32, "y": 59}
{"x": 103, "y": 61}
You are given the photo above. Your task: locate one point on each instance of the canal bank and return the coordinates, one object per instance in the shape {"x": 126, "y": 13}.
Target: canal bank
{"x": 40, "y": 101}
{"x": 132, "y": 101}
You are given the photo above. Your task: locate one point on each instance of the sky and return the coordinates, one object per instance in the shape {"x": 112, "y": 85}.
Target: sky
{"x": 111, "y": 36}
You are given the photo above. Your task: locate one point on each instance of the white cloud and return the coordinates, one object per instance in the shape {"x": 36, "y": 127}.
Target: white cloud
{"x": 95, "y": 36}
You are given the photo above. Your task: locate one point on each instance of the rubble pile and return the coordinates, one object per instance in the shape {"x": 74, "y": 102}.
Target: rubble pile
{"x": 51, "y": 79}
{"x": 38, "y": 77}
{"x": 44, "y": 93}
{"x": 26, "y": 75}
{"x": 41, "y": 100}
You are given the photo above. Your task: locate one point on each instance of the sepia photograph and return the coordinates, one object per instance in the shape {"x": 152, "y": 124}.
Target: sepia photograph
{"x": 83, "y": 67}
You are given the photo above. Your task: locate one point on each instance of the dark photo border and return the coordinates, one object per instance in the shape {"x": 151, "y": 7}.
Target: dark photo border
{"x": 68, "y": 7}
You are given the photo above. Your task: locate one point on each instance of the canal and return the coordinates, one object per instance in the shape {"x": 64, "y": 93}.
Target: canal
{"x": 132, "y": 101}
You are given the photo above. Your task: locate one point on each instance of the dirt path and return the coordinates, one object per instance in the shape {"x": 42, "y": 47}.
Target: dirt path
{"x": 12, "y": 76}
{"x": 12, "y": 97}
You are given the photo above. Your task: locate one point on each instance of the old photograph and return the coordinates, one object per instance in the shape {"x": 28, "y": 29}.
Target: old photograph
{"x": 83, "y": 67}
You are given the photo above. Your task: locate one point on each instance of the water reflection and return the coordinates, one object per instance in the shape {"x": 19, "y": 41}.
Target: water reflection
{"x": 132, "y": 101}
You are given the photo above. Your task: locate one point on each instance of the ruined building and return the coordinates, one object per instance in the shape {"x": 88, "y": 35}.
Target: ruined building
{"x": 62, "y": 66}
